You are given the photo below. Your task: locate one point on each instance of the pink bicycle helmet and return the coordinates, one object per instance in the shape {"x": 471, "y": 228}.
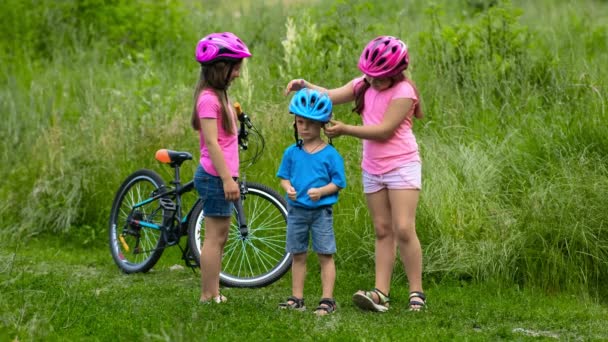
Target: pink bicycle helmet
{"x": 384, "y": 56}
{"x": 224, "y": 46}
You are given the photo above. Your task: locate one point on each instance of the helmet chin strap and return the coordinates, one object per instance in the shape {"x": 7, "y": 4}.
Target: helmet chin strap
{"x": 299, "y": 142}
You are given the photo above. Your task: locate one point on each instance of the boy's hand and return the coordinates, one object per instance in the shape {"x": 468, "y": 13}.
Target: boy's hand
{"x": 291, "y": 193}
{"x": 314, "y": 194}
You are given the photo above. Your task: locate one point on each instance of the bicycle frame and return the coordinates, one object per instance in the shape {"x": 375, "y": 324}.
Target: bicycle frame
{"x": 176, "y": 193}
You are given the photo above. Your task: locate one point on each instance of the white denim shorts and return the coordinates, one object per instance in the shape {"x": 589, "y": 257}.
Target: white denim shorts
{"x": 408, "y": 176}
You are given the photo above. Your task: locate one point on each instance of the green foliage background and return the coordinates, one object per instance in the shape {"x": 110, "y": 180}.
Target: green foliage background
{"x": 514, "y": 143}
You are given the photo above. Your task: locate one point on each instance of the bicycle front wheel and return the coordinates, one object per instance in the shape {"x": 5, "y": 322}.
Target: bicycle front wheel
{"x": 136, "y": 248}
{"x": 258, "y": 259}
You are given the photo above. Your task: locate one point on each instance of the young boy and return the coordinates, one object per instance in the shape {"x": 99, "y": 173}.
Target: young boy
{"x": 311, "y": 173}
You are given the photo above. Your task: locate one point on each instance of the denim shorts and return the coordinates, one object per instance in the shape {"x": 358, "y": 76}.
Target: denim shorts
{"x": 211, "y": 191}
{"x": 408, "y": 176}
{"x": 318, "y": 222}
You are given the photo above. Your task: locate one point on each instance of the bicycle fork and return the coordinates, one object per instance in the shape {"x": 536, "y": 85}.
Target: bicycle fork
{"x": 240, "y": 212}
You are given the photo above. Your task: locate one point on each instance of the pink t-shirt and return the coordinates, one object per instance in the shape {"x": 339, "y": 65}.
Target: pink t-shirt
{"x": 209, "y": 107}
{"x": 380, "y": 157}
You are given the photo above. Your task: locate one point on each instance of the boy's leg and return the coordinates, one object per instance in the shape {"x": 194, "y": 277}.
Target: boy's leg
{"x": 298, "y": 275}
{"x": 297, "y": 245}
{"x": 324, "y": 244}
{"x": 328, "y": 274}
{"x": 327, "y": 304}
{"x": 216, "y": 234}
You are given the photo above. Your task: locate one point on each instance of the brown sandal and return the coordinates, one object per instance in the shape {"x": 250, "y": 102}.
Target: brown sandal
{"x": 326, "y": 307}
{"x": 293, "y": 303}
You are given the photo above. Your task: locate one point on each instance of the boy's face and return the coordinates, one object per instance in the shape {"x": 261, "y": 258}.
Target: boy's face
{"x": 308, "y": 129}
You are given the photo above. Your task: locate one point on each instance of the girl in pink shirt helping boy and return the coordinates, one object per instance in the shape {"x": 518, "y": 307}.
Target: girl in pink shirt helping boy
{"x": 387, "y": 102}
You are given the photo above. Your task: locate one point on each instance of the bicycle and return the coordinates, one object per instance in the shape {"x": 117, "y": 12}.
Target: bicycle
{"x": 147, "y": 217}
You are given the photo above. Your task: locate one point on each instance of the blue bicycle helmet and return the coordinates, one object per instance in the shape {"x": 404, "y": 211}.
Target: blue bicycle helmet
{"x": 311, "y": 104}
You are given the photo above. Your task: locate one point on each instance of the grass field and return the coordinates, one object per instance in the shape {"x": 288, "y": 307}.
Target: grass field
{"x": 55, "y": 289}
{"x": 512, "y": 216}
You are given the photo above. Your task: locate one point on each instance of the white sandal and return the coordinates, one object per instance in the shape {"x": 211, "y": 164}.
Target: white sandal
{"x": 366, "y": 301}
{"x": 218, "y": 299}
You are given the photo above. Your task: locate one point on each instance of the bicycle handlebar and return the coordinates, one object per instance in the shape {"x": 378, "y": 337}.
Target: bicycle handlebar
{"x": 243, "y": 118}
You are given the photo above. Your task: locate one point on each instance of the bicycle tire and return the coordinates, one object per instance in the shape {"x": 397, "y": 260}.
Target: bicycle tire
{"x": 136, "y": 254}
{"x": 260, "y": 258}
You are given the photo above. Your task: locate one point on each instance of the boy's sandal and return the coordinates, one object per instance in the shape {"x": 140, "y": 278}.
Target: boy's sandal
{"x": 417, "y": 301}
{"x": 326, "y": 306}
{"x": 365, "y": 300}
{"x": 293, "y": 303}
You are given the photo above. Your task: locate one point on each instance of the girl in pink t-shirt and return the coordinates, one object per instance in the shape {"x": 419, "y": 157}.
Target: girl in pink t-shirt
{"x": 220, "y": 56}
{"x": 387, "y": 102}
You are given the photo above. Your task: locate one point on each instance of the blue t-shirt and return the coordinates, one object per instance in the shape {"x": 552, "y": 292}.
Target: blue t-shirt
{"x": 305, "y": 171}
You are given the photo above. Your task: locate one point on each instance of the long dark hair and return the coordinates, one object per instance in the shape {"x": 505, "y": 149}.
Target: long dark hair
{"x": 215, "y": 77}
{"x": 362, "y": 88}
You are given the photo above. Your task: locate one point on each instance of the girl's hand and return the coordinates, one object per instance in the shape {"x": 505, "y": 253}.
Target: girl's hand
{"x": 291, "y": 193}
{"x": 336, "y": 129}
{"x": 231, "y": 190}
{"x": 295, "y": 85}
{"x": 314, "y": 194}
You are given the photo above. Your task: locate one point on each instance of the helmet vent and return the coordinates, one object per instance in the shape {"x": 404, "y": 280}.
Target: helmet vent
{"x": 381, "y": 61}
{"x": 374, "y": 55}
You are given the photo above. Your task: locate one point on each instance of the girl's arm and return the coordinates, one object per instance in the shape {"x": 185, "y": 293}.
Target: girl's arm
{"x": 396, "y": 112}
{"x": 209, "y": 129}
{"x": 339, "y": 95}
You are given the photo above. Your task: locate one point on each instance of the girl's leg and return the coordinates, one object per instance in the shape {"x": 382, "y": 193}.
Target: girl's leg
{"x": 404, "y": 225}
{"x": 216, "y": 234}
{"x": 328, "y": 274}
{"x": 380, "y": 210}
{"x": 298, "y": 275}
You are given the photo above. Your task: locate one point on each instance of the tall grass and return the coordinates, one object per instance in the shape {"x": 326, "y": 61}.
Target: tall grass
{"x": 514, "y": 144}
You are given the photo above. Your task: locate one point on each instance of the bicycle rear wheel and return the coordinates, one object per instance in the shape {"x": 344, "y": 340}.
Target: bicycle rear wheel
{"x": 259, "y": 259}
{"x": 136, "y": 248}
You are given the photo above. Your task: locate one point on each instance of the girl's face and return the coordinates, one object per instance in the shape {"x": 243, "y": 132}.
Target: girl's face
{"x": 379, "y": 83}
{"x": 308, "y": 129}
{"x": 236, "y": 70}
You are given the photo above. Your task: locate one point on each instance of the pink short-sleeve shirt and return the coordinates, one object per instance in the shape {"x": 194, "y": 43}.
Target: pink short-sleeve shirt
{"x": 380, "y": 157}
{"x": 209, "y": 107}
